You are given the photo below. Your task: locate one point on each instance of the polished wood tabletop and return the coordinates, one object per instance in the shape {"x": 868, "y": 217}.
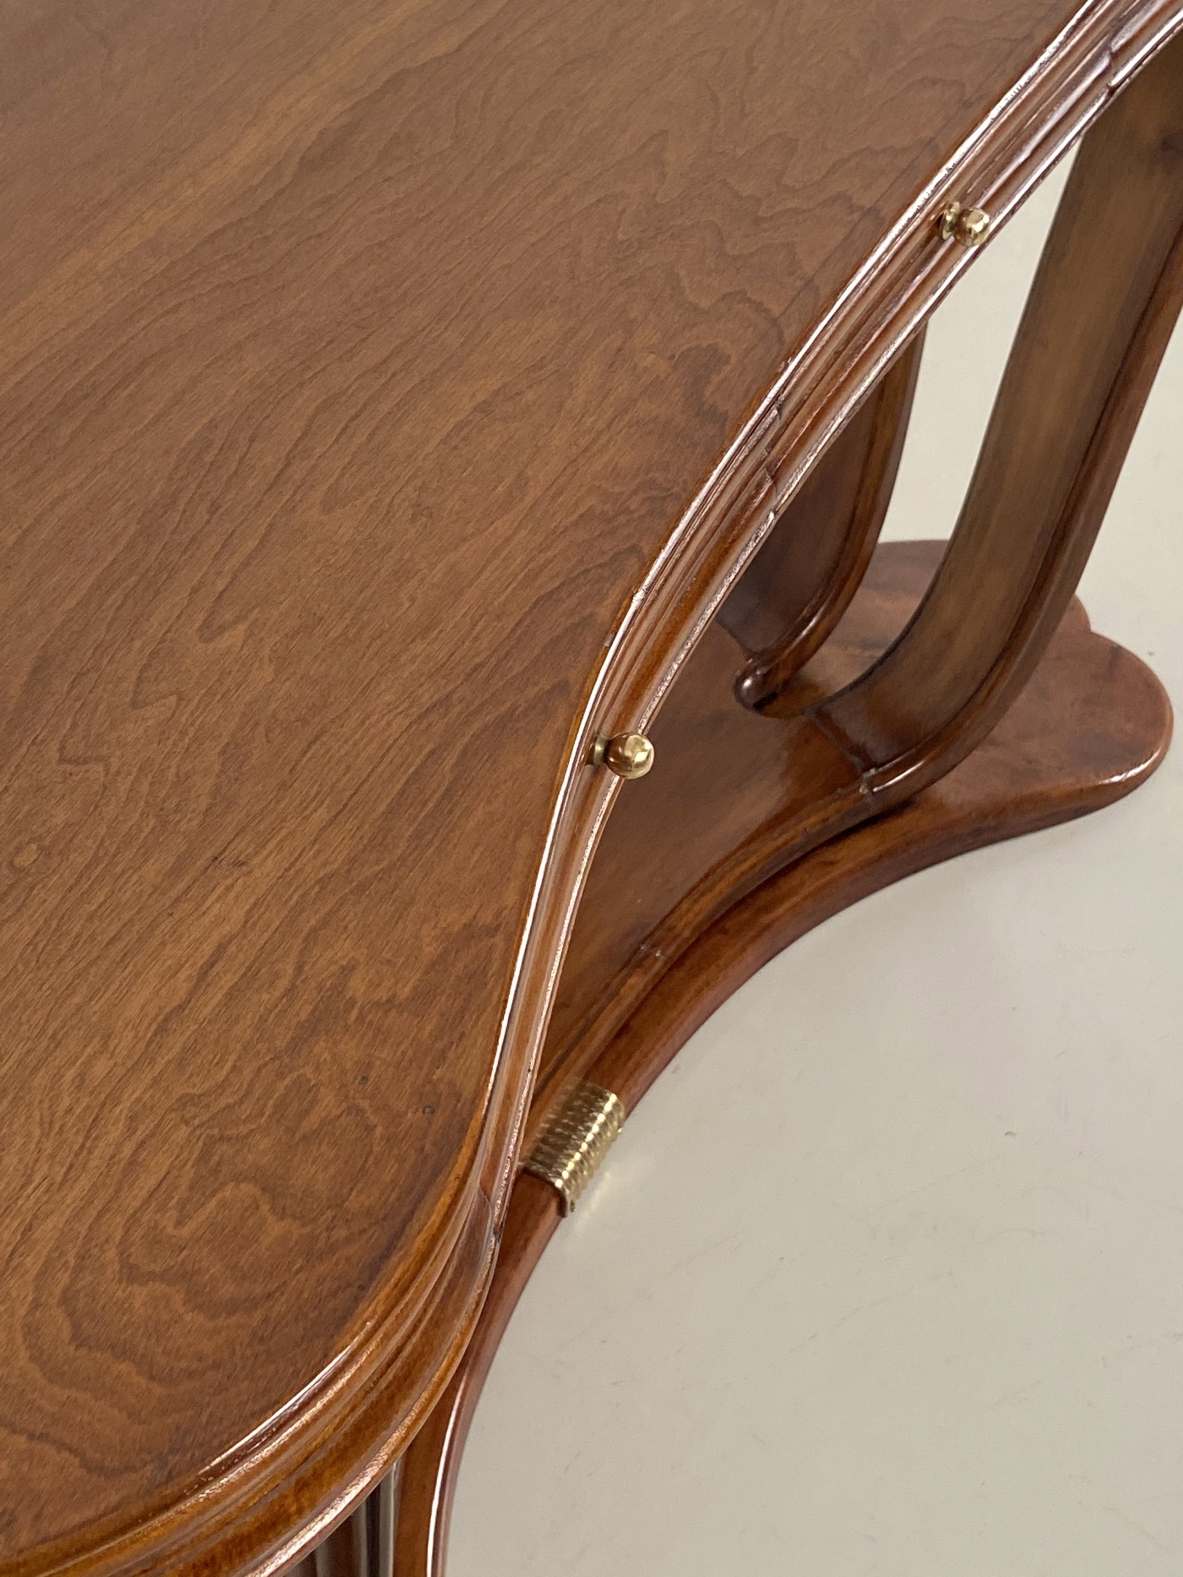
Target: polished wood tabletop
{"x": 389, "y": 394}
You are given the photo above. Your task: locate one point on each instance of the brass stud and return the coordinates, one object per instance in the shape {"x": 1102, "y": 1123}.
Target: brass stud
{"x": 628, "y": 755}
{"x": 970, "y": 226}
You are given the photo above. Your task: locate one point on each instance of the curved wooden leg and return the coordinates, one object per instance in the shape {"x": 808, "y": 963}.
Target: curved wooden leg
{"x": 803, "y": 578}
{"x": 1104, "y": 301}
{"x": 1106, "y": 295}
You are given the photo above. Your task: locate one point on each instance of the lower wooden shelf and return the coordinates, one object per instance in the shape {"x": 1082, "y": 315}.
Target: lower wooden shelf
{"x": 680, "y": 904}
{"x": 673, "y": 921}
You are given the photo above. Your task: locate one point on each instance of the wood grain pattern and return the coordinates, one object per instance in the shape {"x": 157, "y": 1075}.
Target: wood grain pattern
{"x": 643, "y": 908}
{"x": 1092, "y": 725}
{"x": 1102, "y": 306}
{"x": 381, "y": 391}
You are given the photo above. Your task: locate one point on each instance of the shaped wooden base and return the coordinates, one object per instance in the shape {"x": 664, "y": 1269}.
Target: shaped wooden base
{"x": 652, "y": 958}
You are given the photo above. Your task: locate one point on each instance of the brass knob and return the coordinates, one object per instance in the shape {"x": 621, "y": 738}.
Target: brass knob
{"x": 628, "y": 755}
{"x": 970, "y": 226}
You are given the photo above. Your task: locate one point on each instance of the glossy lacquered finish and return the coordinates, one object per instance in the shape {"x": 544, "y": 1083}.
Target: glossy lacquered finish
{"x": 706, "y": 874}
{"x": 389, "y": 395}
{"x": 1101, "y": 309}
{"x": 1089, "y": 728}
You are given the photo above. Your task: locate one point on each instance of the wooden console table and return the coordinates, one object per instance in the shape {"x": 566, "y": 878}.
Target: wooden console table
{"x": 419, "y": 420}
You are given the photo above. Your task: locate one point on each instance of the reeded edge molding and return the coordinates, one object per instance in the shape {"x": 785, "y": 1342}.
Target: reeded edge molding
{"x": 309, "y": 1466}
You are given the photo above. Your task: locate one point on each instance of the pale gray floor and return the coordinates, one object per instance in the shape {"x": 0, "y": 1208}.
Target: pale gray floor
{"x": 884, "y": 1276}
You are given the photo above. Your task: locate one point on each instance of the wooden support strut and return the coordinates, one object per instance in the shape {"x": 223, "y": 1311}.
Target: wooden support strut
{"x": 1105, "y": 298}
{"x": 802, "y": 580}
